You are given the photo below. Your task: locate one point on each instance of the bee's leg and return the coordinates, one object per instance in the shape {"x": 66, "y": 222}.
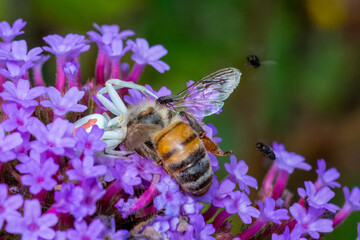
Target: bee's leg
{"x": 208, "y": 143}
{"x": 194, "y": 124}
{"x": 148, "y": 152}
{"x": 213, "y": 147}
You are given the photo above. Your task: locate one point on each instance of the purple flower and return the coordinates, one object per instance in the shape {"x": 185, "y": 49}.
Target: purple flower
{"x": 67, "y": 103}
{"x": 14, "y": 71}
{"x": 19, "y": 52}
{"x": 137, "y": 97}
{"x": 85, "y": 169}
{"x": 67, "y": 47}
{"x": 358, "y": 229}
{"x": 92, "y": 191}
{"x": 352, "y": 198}
{"x": 326, "y": 177}
{"x": 191, "y": 206}
{"x": 268, "y": 212}
{"x": 33, "y": 225}
{"x": 109, "y": 33}
{"x": 68, "y": 198}
{"x": 223, "y": 192}
{"x": 89, "y": 142}
{"x": 83, "y": 231}
{"x": 21, "y": 151}
{"x": 288, "y": 161}
{"x": 170, "y": 197}
{"x": 308, "y": 221}
{"x": 8, "y": 205}
{"x": 286, "y": 236}
{"x": 22, "y": 94}
{"x": 127, "y": 175}
{"x": 202, "y": 231}
{"x": 318, "y": 199}
{"x": 71, "y": 69}
{"x": 18, "y": 118}
{"x": 8, "y": 143}
{"x": 237, "y": 173}
{"x": 145, "y": 55}
{"x": 55, "y": 136}
{"x": 145, "y": 167}
{"x": 240, "y": 204}
{"x": 125, "y": 207}
{"x": 115, "y": 49}
{"x": 8, "y": 33}
{"x": 40, "y": 176}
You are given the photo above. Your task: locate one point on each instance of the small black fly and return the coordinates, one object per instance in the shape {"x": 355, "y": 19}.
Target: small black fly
{"x": 266, "y": 150}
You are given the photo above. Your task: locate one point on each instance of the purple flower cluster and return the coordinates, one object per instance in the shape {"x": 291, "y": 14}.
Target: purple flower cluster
{"x": 59, "y": 184}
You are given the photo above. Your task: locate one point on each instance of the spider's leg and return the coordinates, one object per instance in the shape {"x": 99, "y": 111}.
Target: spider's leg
{"x": 116, "y": 152}
{"x": 118, "y": 84}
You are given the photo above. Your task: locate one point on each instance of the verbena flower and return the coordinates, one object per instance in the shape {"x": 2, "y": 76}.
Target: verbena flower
{"x": 326, "y": 177}
{"x": 143, "y": 54}
{"x": 21, "y": 93}
{"x": 67, "y": 47}
{"x": 47, "y": 166}
{"x": 269, "y": 213}
{"x": 32, "y": 225}
{"x": 55, "y": 137}
{"x": 318, "y": 199}
{"x": 288, "y": 161}
{"x": 40, "y": 176}
{"x": 15, "y": 71}
{"x": 308, "y": 221}
{"x": 88, "y": 143}
{"x": 83, "y": 231}
{"x": 170, "y": 197}
{"x": 8, "y": 143}
{"x": 85, "y": 169}
{"x": 240, "y": 203}
{"x": 8, "y": 33}
{"x": 67, "y": 103}
{"x": 237, "y": 173}
{"x": 8, "y": 204}
{"x": 18, "y": 119}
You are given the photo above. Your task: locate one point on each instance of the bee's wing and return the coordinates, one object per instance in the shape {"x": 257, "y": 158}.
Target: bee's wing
{"x": 206, "y": 96}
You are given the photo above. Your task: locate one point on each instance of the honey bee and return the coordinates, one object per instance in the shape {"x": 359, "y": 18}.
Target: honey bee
{"x": 167, "y": 131}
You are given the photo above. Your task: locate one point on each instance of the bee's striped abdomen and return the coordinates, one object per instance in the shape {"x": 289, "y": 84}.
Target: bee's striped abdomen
{"x": 184, "y": 157}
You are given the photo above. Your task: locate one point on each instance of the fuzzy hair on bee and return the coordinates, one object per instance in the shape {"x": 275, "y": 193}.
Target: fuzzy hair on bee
{"x": 155, "y": 132}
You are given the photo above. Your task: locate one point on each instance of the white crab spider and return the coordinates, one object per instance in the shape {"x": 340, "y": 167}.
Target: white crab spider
{"x": 115, "y": 128}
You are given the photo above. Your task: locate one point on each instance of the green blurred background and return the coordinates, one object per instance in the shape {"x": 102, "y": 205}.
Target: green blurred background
{"x": 309, "y": 100}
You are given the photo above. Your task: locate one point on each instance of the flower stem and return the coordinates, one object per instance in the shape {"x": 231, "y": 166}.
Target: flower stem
{"x": 112, "y": 190}
{"x": 210, "y": 213}
{"x": 250, "y": 232}
{"x": 341, "y": 215}
{"x": 38, "y": 75}
{"x": 60, "y": 75}
{"x": 99, "y": 69}
{"x": 115, "y": 68}
{"x": 2, "y": 81}
{"x": 148, "y": 195}
{"x": 135, "y": 73}
{"x": 220, "y": 218}
{"x": 280, "y": 184}
{"x": 268, "y": 182}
